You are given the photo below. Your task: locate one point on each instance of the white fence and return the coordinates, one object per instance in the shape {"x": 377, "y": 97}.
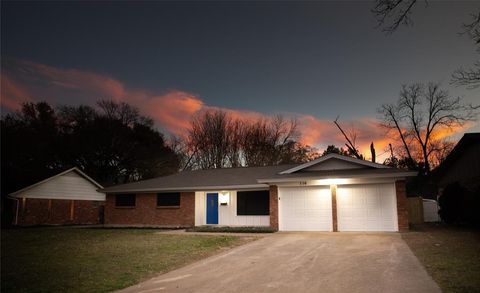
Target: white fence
{"x": 430, "y": 211}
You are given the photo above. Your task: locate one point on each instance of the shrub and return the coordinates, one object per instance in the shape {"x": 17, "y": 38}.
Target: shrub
{"x": 460, "y": 205}
{"x": 243, "y": 229}
{"x": 450, "y": 203}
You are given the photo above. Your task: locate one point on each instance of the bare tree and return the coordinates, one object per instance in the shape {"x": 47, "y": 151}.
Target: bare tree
{"x": 235, "y": 132}
{"x": 467, "y": 77}
{"x": 180, "y": 147}
{"x": 440, "y": 149}
{"x": 272, "y": 142}
{"x": 419, "y": 114}
{"x": 391, "y": 14}
{"x": 122, "y": 112}
{"x": 216, "y": 140}
{"x": 351, "y": 140}
{"x": 208, "y": 139}
{"x": 470, "y": 77}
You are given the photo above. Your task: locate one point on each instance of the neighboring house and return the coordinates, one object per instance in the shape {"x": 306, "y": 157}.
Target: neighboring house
{"x": 70, "y": 197}
{"x": 462, "y": 165}
{"x": 332, "y": 193}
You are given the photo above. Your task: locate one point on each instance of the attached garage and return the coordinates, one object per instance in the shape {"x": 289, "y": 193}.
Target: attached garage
{"x": 305, "y": 209}
{"x": 367, "y": 207}
{"x": 359, "y": 207}
{"x": 338, "y": 193}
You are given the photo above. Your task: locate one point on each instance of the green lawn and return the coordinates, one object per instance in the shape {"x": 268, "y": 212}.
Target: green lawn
{"x": 450, "y": 254}
{"x": 96, "y": 260}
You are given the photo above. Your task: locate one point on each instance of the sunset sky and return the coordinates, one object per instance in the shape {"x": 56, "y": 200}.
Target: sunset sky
{"x": 309, "y": 60}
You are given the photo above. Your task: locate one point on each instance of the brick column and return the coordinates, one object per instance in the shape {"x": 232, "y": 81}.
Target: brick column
{"x": 274, "y": 207}
{"x": 333, "y": 190}
{"x": 402, "y": 212}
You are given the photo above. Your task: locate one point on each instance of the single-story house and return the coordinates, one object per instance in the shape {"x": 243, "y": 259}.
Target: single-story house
{"x": 332, "y": 193}
{"x": 462, "y": 165}
{"x": 70, "y": 197}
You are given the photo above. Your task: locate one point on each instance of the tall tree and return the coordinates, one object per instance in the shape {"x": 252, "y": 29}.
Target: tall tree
{"x": 113, "y": 145}
{"x": 216, "y": 140}
{"x": 332, "y": 149}
{"x": 125, "y": 146}
{"x": 421, "y": 112}
{"x": 28, "y": 145}
{"x": 209, "y": 140}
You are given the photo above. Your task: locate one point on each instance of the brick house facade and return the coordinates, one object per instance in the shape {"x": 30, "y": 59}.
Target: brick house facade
{"x": 147, "y": 213}
{"x": 35, "y": 211}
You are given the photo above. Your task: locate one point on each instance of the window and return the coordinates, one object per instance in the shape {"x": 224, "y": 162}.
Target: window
{"x": 170, "y": 199}
{"x": 125, "y": 200}
{"x": 253, "y": 203}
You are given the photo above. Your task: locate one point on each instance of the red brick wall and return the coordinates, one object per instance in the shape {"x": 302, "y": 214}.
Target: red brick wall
{"x": 57, "y": 212}
{"x": 146, "y": 212}
{"x": 35, "y": 211}
{"x": 60, "y": 212}
{"x": 88, "y": 212}
{"x": 274, "y": 207}
{"x": 402, "y": 210}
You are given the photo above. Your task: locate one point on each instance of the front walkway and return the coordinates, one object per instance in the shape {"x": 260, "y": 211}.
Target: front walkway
{"x": 303, "y": 262}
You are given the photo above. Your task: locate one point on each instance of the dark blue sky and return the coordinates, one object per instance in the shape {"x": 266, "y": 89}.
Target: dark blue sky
{"x": 314, "y": 58}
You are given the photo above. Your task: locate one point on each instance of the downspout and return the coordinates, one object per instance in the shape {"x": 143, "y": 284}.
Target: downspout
{"x": 16, "y": 210}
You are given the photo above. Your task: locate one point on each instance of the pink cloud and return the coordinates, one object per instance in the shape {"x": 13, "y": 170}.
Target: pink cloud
{"x": 25, "y": 81}
{"x": 321, "y": 133}
{"x": 75, "y": 80}
{"x": 10, "y": 93}
{"x": 172, "y": 110}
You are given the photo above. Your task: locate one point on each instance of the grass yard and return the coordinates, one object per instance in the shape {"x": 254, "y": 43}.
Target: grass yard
{"x": 56, "y": 259}
{"x": 450, "y": 254}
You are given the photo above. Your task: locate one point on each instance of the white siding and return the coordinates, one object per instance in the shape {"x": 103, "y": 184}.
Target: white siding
{"x": 70, "y": 186}
{"x": 333, "y": 164}
{"x": 227, "y": 215}
{"x": 200, "y": 208}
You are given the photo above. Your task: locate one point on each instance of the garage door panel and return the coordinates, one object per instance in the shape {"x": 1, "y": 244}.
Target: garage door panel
{"x": 366, "y": 207}
{"x": 305, "y": 209}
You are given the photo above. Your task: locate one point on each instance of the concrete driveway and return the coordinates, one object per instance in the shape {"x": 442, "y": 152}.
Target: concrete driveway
{"x": 303, "y": 262}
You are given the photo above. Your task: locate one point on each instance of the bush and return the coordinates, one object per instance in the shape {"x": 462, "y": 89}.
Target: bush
{"x": 244, "y": 229}
{"x": 460, "y": 205}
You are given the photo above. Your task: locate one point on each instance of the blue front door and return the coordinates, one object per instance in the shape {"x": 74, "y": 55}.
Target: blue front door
{"x": 212, "y": 208}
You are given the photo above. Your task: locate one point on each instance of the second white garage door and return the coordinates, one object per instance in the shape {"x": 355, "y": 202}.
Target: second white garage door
{"x": 305, "y": 209}
{"x": 369, "y": 207}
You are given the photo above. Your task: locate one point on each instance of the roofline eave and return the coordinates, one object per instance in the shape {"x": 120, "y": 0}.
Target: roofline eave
{"x": 193, "y": 188}
{"x": 293, "y": 179}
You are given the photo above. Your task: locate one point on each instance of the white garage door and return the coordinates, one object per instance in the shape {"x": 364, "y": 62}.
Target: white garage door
{"x": 305, "y": 209}
{"x": 370, "y": 207}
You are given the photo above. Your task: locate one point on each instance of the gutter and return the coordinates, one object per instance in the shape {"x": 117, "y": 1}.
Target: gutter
{"x": 193, "y": 188}
{"x": 295, "y": 179}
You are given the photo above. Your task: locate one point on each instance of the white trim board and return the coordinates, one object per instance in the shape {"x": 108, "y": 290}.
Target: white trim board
{"x": 338, "y": 157}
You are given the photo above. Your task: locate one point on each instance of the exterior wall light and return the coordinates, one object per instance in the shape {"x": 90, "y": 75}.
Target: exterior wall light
{"x": 224, "y": 198}
{"x": 332, "y": 181}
